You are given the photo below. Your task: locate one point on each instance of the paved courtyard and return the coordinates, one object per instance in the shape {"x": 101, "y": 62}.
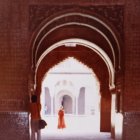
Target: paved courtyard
{"x": 64, "y": 135}
{"x": 78, "y": 128}
{"x": 71, "y": 135}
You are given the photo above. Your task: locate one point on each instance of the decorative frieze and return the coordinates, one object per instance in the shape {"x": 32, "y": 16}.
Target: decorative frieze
{"x": 113, "y": 13}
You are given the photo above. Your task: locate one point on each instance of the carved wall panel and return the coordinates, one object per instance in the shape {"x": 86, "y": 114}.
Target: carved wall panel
{"x": 113, "y": 13}
{"x": 14, "y": 126}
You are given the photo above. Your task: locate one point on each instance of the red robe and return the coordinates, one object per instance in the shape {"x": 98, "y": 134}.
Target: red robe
{"x": 61, "y": 121}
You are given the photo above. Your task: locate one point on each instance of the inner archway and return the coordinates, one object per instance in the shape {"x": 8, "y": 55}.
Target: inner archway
{"x": 72, "y": 84}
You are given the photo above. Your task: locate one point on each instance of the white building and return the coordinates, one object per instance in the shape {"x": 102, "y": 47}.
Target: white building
{"x": 73, "y": 85}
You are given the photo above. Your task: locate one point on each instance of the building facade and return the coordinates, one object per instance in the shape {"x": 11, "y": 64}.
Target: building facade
{"x": 73, "y": 86}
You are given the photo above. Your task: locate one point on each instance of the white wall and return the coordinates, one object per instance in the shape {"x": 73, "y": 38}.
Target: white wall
{"x": 71, "y": 75}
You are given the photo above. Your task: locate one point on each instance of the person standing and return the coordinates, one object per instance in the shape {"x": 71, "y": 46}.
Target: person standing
{"x": 35, "y": 117}
{"x": 61, "y": 120}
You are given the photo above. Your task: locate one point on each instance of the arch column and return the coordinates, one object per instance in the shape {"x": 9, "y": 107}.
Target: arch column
{"x": 31, "y": 86}
{"x": 52, "y": 101}
{"x": 117, "y": 132}
{"x": 105, "y": 113}
{"x": 76, "y": 105}
{"x": 119, "y": 91}
{"x": 52, "y": 105}
{"x": 113, "y": 112}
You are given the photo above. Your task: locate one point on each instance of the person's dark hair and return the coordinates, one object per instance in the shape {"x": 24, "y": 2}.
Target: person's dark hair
{"x": 34, "y": 98}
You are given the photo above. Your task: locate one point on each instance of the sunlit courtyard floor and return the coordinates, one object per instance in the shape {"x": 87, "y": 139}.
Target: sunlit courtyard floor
{"x": 77, "y": 128}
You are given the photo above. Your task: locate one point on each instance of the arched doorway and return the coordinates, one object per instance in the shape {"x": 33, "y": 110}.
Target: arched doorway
{"x": 103, "y": 72}
{"x": 77, "y": 89}
{"x": 66, "y": 99}
{"x": 67, "y": 104}
{"x": 74, "y": 38}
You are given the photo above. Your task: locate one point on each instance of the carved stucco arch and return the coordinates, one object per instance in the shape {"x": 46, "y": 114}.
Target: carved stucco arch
{"x": 80, "y": 24}
{"x": 41, "y": 34}
{"x": 87, "y": 44}
{"x": 48, "y": 28}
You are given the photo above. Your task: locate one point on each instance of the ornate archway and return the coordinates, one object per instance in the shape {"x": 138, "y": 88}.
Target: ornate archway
{"x": 87, "y": 38}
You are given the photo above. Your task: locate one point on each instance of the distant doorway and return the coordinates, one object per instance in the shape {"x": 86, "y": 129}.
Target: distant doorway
{"x": 67, "y": 104}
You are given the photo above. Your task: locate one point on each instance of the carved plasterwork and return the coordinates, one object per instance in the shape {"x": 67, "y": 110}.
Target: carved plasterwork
{"x": 112, "y": 14}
